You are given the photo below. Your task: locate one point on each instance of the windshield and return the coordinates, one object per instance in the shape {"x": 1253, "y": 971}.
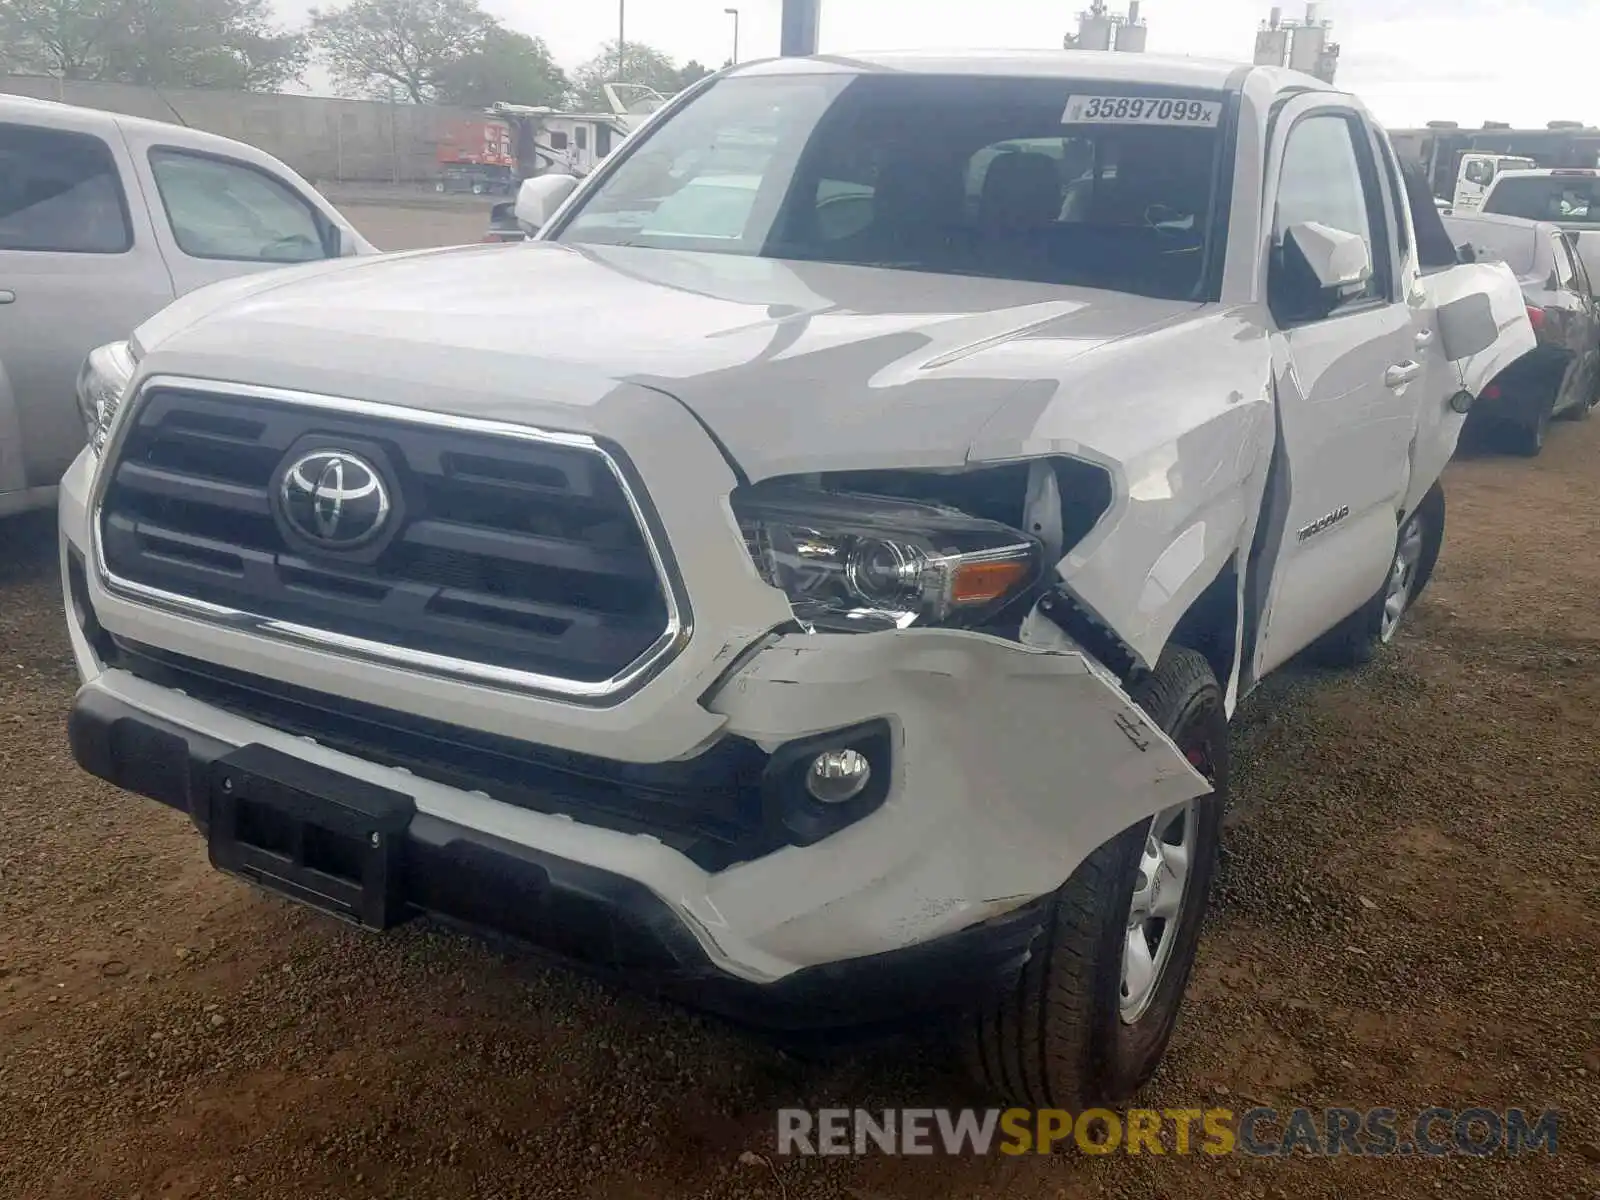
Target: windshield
{"x": 1565, "y": 198}
{"x": 1041, "y": 180}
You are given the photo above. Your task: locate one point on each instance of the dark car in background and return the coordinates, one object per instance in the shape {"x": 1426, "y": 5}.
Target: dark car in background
{"x": 1561, "y": 376}
{"x": 503, "y": 225}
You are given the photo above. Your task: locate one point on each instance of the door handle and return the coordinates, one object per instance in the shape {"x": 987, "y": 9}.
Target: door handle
{"x": 7, "y": 297}
{"x": 1424, "y": 339}
{"x": 1399, "y": 375}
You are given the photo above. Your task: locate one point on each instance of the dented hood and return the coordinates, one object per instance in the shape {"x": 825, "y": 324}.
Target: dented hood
{"x": 792, "y": 367}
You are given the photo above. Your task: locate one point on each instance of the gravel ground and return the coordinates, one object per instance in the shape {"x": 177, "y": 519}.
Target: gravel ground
{"x": 1406, "y": 917}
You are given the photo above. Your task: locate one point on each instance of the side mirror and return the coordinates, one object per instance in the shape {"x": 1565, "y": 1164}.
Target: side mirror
{"x": 1340, "y": 262}
{"x": 539, "y": 197}
{"x": 1466, "y": 253}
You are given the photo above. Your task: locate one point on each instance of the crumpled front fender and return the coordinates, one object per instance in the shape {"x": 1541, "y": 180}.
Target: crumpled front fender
{"x": 1011, "y": 765}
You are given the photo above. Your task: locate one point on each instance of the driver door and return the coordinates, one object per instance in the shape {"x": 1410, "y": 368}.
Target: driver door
{"x": 218, "y": 217}
{"x": 1347, "y": 380}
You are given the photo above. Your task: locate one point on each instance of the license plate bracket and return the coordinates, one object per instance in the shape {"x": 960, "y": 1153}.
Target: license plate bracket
{"x": 329, "y": 841}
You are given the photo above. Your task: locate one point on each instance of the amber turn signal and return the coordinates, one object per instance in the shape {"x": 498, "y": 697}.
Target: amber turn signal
{"x": 986, "y": 582}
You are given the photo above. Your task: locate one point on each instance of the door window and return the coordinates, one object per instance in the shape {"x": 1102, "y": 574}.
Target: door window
{"x": 60, "y": 192}
{"x": 1327, "y": 180}
{"x": 1566, "y": 267}
{"x": 223, "y": 209}
{"x": 1402, "y": 211}
{"x": 582, "y": 134}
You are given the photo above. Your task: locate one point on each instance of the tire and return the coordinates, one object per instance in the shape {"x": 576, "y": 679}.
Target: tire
{"x": 1433, "y": 516}
{"x": 1586, "y": 402}
{"x": 1528, "y": 440}
{"x": 1059, "y": 1036}
{"x": 1354, "y": 642}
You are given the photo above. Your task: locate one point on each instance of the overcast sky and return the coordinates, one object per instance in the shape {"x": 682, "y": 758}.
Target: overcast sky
{"x": 1523, "y": 61}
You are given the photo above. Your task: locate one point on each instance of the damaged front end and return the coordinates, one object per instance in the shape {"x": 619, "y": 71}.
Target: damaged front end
{"x": 927, "y": 602}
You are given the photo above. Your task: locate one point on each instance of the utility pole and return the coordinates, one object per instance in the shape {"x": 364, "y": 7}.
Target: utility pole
{"x": 394, "y": 136}
{"x": 734, "y": 13}
{"x": 800, "y": 20}
{"x": 622, "y": 38}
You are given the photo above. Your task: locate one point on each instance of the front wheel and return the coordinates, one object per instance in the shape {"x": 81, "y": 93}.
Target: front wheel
{"x": 1090, "y": 1016}
{"x": 1355, "y": 640}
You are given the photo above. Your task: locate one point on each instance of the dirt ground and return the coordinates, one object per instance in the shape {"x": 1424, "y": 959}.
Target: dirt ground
{"x": 450, "y": 221}
{"x": 1407, "y": 917}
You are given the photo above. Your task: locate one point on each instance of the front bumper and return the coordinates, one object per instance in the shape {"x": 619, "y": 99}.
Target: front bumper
{"x": 1010, "y": 763}
{"x": 605, "y": 921}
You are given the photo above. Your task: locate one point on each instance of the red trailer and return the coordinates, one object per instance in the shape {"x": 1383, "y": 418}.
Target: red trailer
{"x": 477, "y": 156}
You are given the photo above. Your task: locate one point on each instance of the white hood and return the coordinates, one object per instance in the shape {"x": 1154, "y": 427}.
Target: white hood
{"x": 790, "y": 366}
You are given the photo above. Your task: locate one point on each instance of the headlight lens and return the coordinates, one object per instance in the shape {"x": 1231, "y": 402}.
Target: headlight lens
{"x": 858, "y": 563}
{"x": 102, "y": 383}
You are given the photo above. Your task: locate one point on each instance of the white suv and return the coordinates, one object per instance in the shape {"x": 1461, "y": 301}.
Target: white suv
{"x": 827, "y": 602}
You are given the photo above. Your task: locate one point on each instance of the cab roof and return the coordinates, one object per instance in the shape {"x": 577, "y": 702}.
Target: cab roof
{"x": 1202, "y": 74}
{"x": 24, "y": 107}
{"x": 1549, "y": 173}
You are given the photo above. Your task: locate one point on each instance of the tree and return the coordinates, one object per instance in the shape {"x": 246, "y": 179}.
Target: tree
{"x": 640, "y": 64}
{"x": 204, "y": 43}
{"x": 507, "y": 66}
{"x": 59, "y": 37}
{"x": 691, "y": 72}
{"x": 370, "y": 45}
{"x": 199, "y": 43}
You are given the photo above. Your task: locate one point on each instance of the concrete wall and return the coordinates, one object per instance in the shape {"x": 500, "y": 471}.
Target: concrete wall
{"x": 321, "y": 138}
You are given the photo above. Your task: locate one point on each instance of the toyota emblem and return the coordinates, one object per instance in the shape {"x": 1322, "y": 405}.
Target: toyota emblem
{"x": 334, "y": 499}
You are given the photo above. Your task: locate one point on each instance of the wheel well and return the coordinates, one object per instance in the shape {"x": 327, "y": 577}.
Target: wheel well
{"x": 1211, "y": 625}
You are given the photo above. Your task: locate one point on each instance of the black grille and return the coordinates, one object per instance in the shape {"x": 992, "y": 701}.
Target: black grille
{"x": 710, "y": 808}
{"x": 501, "y": 551}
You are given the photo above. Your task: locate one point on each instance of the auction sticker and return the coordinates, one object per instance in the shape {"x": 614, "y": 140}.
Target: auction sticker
{"x": 1141, "y": 110}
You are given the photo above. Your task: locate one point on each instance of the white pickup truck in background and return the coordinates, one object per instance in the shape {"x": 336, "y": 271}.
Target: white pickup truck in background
{"x": 1568, "y": 197}
{"x": 104, "y": 219}
{"x": 1476, "y": 175}
{"x": 849, "y": 622}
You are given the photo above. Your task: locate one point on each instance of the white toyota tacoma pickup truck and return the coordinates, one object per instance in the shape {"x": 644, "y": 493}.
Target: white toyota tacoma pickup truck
{"x": 813, "y": 576}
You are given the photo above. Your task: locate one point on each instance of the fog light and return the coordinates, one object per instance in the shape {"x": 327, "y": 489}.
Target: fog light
{"x": 838, "y": 776}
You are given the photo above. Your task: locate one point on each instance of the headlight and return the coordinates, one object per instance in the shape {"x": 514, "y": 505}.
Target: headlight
{"x": 102, "y": 382}
{"x": 851, "y": 562}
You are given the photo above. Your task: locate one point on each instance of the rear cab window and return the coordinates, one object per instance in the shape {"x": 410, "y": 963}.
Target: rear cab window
{"x": 1046, "y": 180}
{"x": 1565, "y": 199}
{"x": 60, "y": 191}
